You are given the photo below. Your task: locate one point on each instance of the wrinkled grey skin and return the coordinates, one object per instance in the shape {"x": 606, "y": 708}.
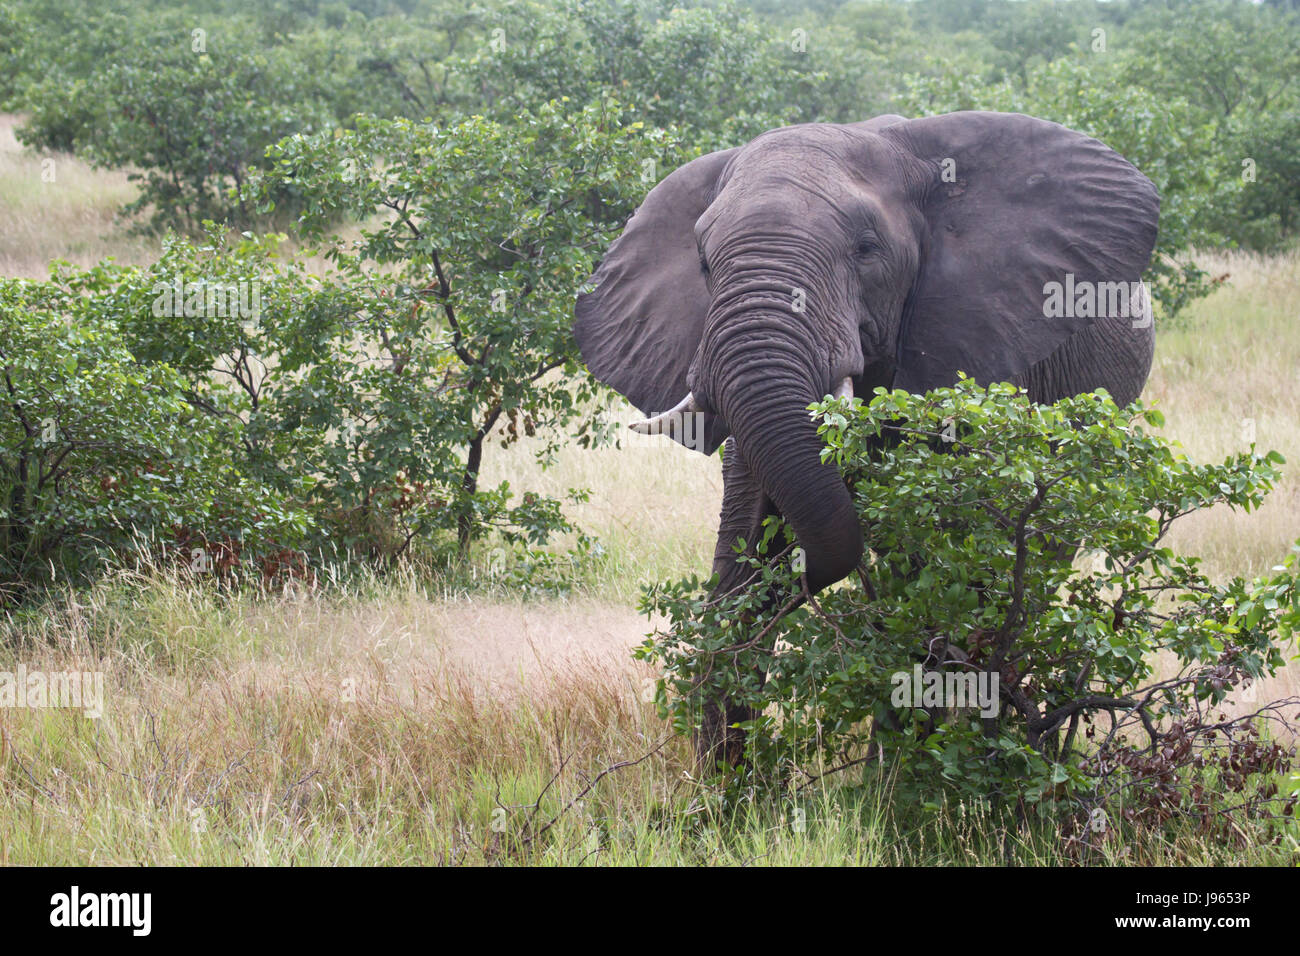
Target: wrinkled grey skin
{"x": 921, "y": 248}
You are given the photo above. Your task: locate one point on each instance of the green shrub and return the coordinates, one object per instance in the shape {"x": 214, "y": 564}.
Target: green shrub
{"x": 189, "y": 110}
{"x": 449, "y": 320}
{"x": 270, "y": 415}
{"x": 974, "y": 502}
{"x": 102, "y": 454}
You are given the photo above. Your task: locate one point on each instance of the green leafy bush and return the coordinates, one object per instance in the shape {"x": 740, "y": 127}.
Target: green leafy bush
{"x": 974, "y": 503}
{"x": 716, "y": 75}
{"x": 345, "y": 413}
{"x": 190, "y": 110}
{"x": 456, "y": 330}
{"x": 102, "y": 454}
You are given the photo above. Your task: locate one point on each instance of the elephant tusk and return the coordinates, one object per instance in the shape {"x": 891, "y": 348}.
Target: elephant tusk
{"x": 655, "y": 426}
{"x": 845, "y": 388}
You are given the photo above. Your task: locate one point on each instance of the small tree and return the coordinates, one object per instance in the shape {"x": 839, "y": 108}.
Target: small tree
{"x": 972, "y": 653}
{"x": 457, "y": 328}
{"x": 190, "y": 110}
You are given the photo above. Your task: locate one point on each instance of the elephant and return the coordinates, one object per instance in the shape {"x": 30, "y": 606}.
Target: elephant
{"x": 835, "y": 258}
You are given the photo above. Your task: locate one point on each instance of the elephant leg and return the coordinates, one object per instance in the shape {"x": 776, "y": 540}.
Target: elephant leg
{"x": 744, "y": 508}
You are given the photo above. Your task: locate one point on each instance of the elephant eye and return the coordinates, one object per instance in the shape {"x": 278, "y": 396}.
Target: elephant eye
{"x": 704, "y": 266}
{"x": 866, "y": 246}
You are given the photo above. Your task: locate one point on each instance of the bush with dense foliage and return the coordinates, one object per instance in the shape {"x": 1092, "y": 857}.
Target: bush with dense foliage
{"x": 105, "y": 452}
{"x": 359, "y": 403}
{"x": 1036, "y": 679}
{"x": 191, "y": 114}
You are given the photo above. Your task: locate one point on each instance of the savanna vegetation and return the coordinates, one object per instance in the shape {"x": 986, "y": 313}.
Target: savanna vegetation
{"x": 298, "y": 453}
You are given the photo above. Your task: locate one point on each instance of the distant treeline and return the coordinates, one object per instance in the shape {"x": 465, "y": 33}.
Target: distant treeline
{"x": 1204, "y": 95}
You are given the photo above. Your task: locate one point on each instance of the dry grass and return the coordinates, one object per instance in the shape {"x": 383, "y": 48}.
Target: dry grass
{"x": 1231, "y": 374}
{"x": 329, "y": 729}
{"x": 386, "y": 724}
{"x": 654, "y": 504}
{"x": 318, "y": 729}
{"x": 54, "y": 206}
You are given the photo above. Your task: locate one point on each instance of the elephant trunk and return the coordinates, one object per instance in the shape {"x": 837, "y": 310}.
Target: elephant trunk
{"x": 761, "y": 375}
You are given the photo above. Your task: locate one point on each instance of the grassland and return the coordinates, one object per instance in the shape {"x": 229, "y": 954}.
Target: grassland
{"x": 391, "y": 721}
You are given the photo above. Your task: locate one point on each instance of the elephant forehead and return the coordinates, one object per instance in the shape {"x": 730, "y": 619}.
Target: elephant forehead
{"x": 788, "y": 207}
{"x": 775, "y": 203}
{"x": 796, "y": 177}
{"x": 832, "y": 138}
{"x": 839, "y": 151}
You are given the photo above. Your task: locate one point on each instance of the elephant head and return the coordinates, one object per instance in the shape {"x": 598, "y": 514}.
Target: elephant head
{"x": 819, "y": 258}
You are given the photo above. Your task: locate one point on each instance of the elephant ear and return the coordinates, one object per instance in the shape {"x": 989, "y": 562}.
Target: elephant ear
{"x": 640, "y": 327}
{"x": 1016, "y": 205}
